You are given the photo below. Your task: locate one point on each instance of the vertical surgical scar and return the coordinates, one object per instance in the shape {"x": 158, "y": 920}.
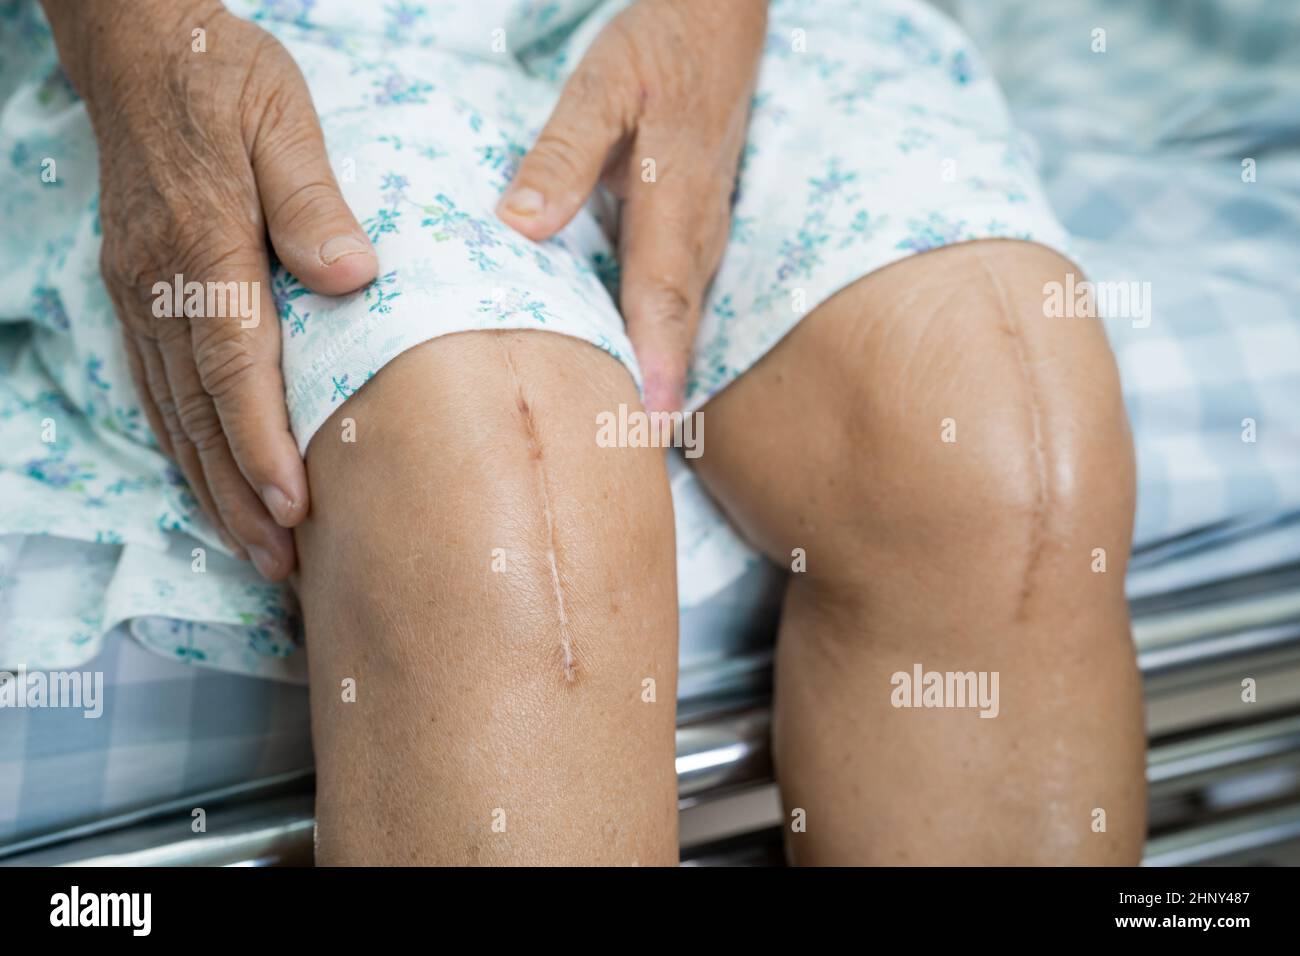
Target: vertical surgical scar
{"x": 569, "y": 658}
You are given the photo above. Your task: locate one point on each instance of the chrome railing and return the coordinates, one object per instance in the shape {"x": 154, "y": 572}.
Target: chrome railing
{"x": 722, "y": 748}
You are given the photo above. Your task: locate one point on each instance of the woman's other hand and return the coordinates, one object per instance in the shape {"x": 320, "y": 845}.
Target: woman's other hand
{"x": 657, "y": 109}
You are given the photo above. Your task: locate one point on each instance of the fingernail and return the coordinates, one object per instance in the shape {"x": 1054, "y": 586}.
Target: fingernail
{"x": 262, "y": 560}
{"x": 523, "y": 202}
{"x": 332, "y": 250}
{"x": 278, "y": 503}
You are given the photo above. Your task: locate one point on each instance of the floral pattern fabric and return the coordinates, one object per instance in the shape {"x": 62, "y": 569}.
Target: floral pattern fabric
{"x": 876, "y": 133}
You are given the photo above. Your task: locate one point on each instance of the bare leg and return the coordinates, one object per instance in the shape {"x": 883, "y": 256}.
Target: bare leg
{"x": 500, "y": 713}
{"x": 968, "y": 555}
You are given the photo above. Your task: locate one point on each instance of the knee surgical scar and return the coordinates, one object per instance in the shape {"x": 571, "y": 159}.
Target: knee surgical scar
{"x": 1038, "y": 529}
{"x": 568, "y": 657}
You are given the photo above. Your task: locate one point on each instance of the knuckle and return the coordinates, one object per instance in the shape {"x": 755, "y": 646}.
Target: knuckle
{"x": 154, "y": 233}
{"x": 214, "y": 251}
{"x": 561, "y": 156}
{"x": 599, "y": 93}
{"x": 224, "y": 361}
{"x": 266, "y": 100}
{"x": 171, "y": 420}
{"x": 588, "y": 87}
{"x": 666, "y": 302}
{"x": 199, "y": 422}
{"x": 166, "y": 404}
{"x": 129, "y": 271}
{"x": 173, "y": 336}
{"x": 668, "y": 74}
{"x": 309, "y": 202}
{"x": 172, "y": 425}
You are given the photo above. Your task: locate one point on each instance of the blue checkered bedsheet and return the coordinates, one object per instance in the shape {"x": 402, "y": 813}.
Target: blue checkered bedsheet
{"x": 1173, "y": 157}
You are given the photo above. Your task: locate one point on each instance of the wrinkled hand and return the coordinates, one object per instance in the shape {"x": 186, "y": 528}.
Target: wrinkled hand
{"x": 201, "y": 155}
{"x": 657, "y": 110}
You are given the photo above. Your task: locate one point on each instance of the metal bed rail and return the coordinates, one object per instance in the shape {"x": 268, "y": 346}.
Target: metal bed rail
{"x": 722, "y": 749}
{"x": 716, "y": 758}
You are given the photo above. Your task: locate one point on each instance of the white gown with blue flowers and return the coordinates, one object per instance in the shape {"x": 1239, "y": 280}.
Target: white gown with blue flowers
{"x": 876, "y": 133}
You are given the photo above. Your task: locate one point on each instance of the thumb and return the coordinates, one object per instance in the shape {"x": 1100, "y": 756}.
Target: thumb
{"x": 561, "y": 170}
{"x": 312, "y": 229}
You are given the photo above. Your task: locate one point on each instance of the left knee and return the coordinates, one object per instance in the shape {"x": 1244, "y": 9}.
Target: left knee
{"x": 968, "y": 433}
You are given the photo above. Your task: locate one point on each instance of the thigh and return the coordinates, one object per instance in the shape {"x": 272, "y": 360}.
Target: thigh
{"x": 883, "y": 137}
{"x": 498, "y": 592}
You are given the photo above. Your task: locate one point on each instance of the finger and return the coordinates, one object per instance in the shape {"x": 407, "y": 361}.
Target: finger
{"x": 671, "y": 240}
{"x": 237, "y": 358}
{"x": 312, "y": 229}
{"x": 182, "y": 450}
{"x": 268, "y": 545}
{"x": 265, "y": 543}
{"x": 147, "y": 404}
{"x": 241, "y": 371}
{"x": 155, "y": 398}
{"x": 594, "y": 114}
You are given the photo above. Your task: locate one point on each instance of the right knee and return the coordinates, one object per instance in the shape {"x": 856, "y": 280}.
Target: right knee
{"x": 472, "y": 480}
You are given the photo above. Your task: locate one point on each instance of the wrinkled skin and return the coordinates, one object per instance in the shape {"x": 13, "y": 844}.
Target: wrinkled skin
{"x": 202, "y": 155}
{"x": 667, "y": 81}
{"x": 973, "y": 555}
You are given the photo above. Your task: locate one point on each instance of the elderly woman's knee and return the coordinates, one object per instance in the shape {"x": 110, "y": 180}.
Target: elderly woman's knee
{"x": 467, "y": 474}
{"x": 962, "y": 428}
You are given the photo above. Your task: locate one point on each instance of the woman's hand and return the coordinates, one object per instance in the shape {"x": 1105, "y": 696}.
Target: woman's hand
{"x": 207, "y": 142}
{"x": 657, "y": 109}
